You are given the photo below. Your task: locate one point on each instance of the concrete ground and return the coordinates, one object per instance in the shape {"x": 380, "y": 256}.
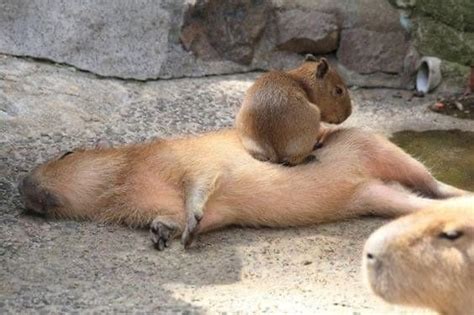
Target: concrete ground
{"x": 66, "y": 266}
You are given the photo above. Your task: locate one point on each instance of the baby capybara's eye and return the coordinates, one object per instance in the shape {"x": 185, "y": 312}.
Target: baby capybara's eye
{"x": 338, "y": 91}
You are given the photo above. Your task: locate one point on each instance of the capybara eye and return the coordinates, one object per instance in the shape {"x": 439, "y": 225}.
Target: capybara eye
{"x": 338, "y": 91}
{"x": 451, "y": 235}
{"x": 65, "y": 154}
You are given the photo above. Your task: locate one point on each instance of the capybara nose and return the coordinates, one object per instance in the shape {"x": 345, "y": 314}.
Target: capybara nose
{"x": 35, "y": 197}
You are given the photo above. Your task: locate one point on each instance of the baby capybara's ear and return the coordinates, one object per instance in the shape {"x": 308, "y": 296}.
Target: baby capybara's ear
{"x": 322, "y": 68}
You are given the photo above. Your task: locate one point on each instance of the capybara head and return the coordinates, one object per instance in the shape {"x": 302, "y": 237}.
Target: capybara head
{"x": 74, "y": 180}
{"x": 326, "y": 89}
{"x": 426, "y": 259}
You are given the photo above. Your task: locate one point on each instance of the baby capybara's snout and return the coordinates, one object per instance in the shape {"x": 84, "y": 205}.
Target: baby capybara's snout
{"x": 35, "y": 197}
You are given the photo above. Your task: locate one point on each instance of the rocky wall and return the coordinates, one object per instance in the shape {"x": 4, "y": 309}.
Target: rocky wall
{"x": 443, "y": 29}
{"x": 162, "y": 39}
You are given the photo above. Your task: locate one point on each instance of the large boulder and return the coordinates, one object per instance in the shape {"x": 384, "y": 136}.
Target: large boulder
{"x": 215, "y": 29}
{"x": 111, "y": 38}
{"x": 367, "y": 51}
{"x": 307, "y": 31}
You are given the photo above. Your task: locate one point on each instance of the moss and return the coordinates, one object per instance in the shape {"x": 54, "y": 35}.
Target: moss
{"x": 449, "y": 154}
{"x": 458, "y": 14}
{"x": 437, "y": 39}
{"x": 454, "y": 73}
{"x": 453, "y": 69}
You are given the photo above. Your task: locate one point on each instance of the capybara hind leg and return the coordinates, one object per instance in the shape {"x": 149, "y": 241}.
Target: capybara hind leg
{"x": 163, "y": 229}
{"x": 448, "y": 191}
{"x": 387, "y": 200}
{"x": 389, "y": 163}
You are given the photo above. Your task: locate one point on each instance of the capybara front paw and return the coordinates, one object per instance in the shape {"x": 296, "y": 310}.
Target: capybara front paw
{"x": 162, "y": 232}
{"x": 191, "y": 229}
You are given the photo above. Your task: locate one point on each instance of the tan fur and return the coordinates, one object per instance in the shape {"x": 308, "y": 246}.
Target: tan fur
{"x": 280, "y": 117}
{"x": 412, "y": 262}
{"x": 139, "y": 183}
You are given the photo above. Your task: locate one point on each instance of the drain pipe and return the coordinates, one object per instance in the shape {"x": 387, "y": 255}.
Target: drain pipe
{"x": 429, "y": 74}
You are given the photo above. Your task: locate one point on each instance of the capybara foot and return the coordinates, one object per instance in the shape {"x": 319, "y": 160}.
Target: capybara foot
{"x": 162, "y": 231}
{"x": 191, "y": 228}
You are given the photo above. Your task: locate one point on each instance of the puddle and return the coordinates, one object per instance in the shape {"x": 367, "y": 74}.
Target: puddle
{"x": 448, "y": 153}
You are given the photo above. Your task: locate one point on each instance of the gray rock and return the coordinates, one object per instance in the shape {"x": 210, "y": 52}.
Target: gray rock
{"x": 375, "y": 15}
{"x": 225, "y": 29}
{"x": 307, "y": 31}
{"x": 366, "y": 51}
{"x": 104, "y": 37}
{"x": 149, "y": 39}
{"x": 374, "y": 80}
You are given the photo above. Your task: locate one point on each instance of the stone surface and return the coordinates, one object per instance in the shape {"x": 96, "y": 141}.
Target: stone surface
{"x": 147, "y": 39}
{"x": 226, "y": 29}
{"x": 454, "y": 75}
{"x": 437, "y": 39}
{"x": 307, "y": 31}
{"x": 458, "y": 14}
{"x": 51, "y": 266}
{"x": 366, "y": 51}
{"x": 375, "y": 15}
{"x": 99, "y": 36}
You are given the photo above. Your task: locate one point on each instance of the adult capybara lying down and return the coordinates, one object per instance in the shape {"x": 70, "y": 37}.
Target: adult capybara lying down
{"x": 213, "y": 179}
{"x": 426, "y": 259}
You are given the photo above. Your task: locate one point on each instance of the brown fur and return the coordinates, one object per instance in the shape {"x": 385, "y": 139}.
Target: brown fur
{"x": 411, "y": 261}
{"x": 141, "y": 183}
{"x": 280, "y": 116}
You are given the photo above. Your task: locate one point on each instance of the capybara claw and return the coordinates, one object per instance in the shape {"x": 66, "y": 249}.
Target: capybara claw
{"x": 161, "y": 233}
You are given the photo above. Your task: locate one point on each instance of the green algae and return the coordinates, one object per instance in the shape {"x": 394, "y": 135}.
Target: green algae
{"x": 449, "y": 154}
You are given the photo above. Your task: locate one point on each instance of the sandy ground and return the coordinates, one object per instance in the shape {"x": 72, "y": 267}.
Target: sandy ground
{"x": 66, "y": 266}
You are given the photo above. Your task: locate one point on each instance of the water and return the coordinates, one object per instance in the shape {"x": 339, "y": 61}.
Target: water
{"x": 449, "y": 154}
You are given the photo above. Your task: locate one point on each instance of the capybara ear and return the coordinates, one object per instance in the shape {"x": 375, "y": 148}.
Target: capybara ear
{"x": 322, "y": 69}
{"x": 103, "y": 144}
{"x": 310, "y": 57}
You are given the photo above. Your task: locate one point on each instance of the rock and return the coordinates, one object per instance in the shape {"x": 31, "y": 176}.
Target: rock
{"x": 372, "y": 80}
{"x": 442, "y": 41}
{"x": 225, "y": 29}
{"x": 303, "y": 31}
{"x": 458, "y": 14}
{"x": 368, "y": 51}
{"x": 375, "y": 15}
{"x": 99, "y": 36}
{"x": 151, "y": 39}
{"x": 455, "y": 76}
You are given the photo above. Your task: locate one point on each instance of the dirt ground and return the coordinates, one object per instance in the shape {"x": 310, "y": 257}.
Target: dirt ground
{"x": 53, "y": 266}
